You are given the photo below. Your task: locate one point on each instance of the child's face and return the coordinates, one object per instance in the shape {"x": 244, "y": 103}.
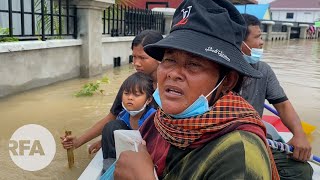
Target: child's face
{"x": 133, "y": 101}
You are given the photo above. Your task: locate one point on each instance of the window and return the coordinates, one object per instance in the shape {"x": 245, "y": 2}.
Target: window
{"x": 289, "y": 15}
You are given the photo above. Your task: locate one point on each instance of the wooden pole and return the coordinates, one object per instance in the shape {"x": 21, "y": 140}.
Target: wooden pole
{"x": 70, "y": 152}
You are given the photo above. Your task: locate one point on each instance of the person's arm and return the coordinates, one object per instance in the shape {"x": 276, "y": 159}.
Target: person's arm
{"x": 276, "y": 96}
{"x": 74, "y": 142}
{"x": 95, "y": 130}
{"x": 289, "y": 117}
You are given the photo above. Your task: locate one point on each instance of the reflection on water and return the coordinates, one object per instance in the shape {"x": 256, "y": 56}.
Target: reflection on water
{"x": 295, "y": 62}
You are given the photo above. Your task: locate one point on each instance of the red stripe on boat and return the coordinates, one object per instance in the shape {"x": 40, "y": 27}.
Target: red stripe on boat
{"x": 276, "y": 122}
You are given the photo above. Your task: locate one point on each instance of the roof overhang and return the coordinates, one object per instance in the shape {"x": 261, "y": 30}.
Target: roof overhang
{"x": 295, "y": 9}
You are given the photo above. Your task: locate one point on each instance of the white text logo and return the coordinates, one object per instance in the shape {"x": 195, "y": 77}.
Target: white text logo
{"x": 217, "y": 51}
{"x": 32, "y": 147}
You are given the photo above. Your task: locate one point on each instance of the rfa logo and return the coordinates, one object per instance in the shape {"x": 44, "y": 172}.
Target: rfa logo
{"x": 32, "y": 147}
{"x": 185, "y": 15}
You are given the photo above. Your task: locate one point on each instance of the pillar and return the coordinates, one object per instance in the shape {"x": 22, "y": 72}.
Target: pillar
{"x": 168, "y": 15}
{"x": 303, "y": 30}
{"x": 289, "y": 25}
{"x": 269, "y": 29}
{"x": 90, "y": 31}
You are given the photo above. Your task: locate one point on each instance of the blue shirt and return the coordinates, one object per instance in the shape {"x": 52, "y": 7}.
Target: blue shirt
{"x": 125, "y": 116}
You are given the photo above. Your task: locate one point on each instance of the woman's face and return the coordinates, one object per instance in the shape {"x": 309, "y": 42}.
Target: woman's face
{"x": 142, "y": 62}
{"x": 182, "y": 78}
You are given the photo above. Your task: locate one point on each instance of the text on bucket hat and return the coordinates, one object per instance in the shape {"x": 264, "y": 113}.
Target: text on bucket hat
{"x": 213, "y": 29}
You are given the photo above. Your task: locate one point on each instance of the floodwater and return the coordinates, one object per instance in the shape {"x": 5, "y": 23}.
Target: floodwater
{"x": 295, "y": 62}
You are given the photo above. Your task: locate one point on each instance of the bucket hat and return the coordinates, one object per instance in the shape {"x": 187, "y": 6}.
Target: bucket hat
{"x": 213, "y": 29}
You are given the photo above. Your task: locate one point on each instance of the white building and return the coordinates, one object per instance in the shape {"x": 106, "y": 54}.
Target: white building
{"x": 307, "y": 11}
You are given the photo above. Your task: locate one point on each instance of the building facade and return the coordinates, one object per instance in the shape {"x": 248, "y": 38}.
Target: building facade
{"x": 306, "y": 11}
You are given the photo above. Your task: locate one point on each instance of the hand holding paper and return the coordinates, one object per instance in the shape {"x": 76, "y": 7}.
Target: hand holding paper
{"x": 134, "y": 164}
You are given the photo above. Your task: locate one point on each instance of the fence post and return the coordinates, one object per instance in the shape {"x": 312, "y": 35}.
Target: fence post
{"x": 269, "y": 29}
{"x": 168, "y": 15}
{"x": 289, "y": 25}
{"x": 89, "y": 16}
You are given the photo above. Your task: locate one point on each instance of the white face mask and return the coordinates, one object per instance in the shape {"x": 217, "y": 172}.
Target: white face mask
{"x": 256, "y": 55}
{"x": 199, "y": 106}
{"x": 133, "y": 113}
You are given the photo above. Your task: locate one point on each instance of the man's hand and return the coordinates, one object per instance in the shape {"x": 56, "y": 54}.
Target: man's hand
{"x": 93, "y": 148}
{"x": 289, "y": 117}
{"x": 135, "y": 165}
{"x": 302, "y": 147}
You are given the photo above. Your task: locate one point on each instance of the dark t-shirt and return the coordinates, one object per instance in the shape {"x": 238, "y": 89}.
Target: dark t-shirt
{"x": 255, "y": 91}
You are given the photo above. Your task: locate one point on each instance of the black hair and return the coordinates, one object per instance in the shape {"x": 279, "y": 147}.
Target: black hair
{"x": 146, "y": 37}
{"x": 250, "y": 21}
{"x": 239, "y": 84}
{"x": 138, "y": 82}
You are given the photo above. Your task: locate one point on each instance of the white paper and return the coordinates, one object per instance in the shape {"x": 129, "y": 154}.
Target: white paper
{"x": 126, "y": 140}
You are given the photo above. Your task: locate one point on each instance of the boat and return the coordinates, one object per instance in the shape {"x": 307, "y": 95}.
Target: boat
{"x": 94, "y": 169}
{"x": 277, "y": 131}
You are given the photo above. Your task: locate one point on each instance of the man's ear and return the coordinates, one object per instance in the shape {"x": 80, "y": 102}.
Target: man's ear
{"x": 230, "y": 81}
{"x": 242, "y": 47}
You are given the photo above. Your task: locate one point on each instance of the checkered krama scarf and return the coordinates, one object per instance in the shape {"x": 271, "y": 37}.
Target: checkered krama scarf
{"x": 228, "y": 113}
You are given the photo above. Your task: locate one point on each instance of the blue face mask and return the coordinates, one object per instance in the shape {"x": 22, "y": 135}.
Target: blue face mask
{"x": 256, "y": 55}
{"x": 200, "y": 106}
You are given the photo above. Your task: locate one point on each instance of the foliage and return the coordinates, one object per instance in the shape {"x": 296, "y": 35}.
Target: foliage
{"x": 47, "y": 19}
{"x": 92, "y": 87}
{"x": 5, "y": 31}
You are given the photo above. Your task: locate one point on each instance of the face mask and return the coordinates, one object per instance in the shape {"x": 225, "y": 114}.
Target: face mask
{"x": 256, "y": 55}
{"x": 200, "y": 106}
{"x": 133, "y": 113}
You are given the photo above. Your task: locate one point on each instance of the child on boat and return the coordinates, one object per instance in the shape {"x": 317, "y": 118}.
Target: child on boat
{"x": 137, "y": 104}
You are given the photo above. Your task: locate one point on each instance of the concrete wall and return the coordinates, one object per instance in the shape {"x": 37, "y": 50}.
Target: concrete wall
{"x": 115, "y": 47}
{"x": 274, "y": 36}
{"x": 278, "y": 36}
{"x": 308, "y": 16}
{"x": 26, "y": 65}
{"x": 31, "y": 64}
{"x": 264, "y": 36}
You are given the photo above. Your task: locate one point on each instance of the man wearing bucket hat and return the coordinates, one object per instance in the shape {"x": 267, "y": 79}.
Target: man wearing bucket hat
{"x": 202, "y": 128}
{"x": 255, "y": 91}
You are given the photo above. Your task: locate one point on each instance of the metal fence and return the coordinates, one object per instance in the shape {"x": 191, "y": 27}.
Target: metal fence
{"x": 38, "y": 19}
{"x": 127, "y": 21}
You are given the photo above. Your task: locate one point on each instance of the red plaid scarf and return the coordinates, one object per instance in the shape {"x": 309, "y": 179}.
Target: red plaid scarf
{"x": 227, "y": 114}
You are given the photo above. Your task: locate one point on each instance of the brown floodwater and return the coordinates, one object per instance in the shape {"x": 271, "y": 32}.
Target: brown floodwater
{"x": 295, "y": 62}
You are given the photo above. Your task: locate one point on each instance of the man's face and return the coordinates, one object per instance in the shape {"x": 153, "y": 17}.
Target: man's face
{"x": 253, "y": 40}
